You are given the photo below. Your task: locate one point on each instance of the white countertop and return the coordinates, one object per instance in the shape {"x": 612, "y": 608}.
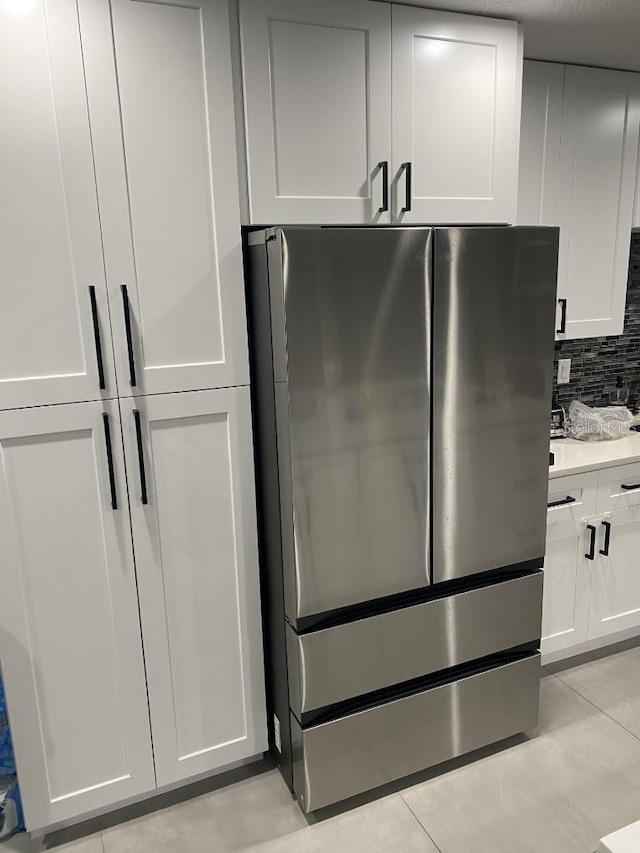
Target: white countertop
{"x": 573, "y": 457}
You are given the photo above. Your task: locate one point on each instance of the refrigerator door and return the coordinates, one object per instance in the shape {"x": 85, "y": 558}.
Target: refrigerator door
{"x": 494, "y": 310}
{"x": 356, "y": 309}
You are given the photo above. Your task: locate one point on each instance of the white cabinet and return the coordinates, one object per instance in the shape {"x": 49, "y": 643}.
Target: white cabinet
{"x": 161, "y": 110}
{"x": 196, "y": 557}
{"x": 541, "y": 123}
{"x": 317, "y": 95}
{"x": 331, "y": 123}
{"x": 50, "y": 252}
{"x": 69, "y": 628}
{"x": 593, "y": 151}
{"x": 592, "y": 562}
{"x": 565, "y": 614}
{"x": 456, "y": 116}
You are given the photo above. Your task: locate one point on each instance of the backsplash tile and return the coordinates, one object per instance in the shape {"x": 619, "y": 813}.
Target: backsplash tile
{"x": 595, "y": 362}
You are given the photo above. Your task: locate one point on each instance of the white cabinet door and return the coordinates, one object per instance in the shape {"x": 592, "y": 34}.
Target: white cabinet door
{"x": 70, "y": 632}
{"x": 541, "y": 122}
{"x": 166, "y": 166}
{"x": 565, "y": 610}
{"x": 317, "y": 93}
{"x": 196, "y": 558}
{"x": 598, "y": 161}
{"x": 456, "y": 116}
{"x": 50, "y": 250}
{"x": 615, "y": 591}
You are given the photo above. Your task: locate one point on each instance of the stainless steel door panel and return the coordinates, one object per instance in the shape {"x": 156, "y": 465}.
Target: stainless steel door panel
{"x": 336, "y": 760}
{"x": 357, "y": 315}
{"x": 359, "y": 657}
{"x": 494, "y": 314}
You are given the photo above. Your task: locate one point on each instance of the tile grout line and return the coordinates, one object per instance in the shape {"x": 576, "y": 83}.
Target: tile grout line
{"x": 597, "y": 707}
{"x": 419, "y": 822}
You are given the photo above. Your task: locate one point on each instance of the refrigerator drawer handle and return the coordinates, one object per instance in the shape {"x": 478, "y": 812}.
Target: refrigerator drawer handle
{"x": 96, "y": 336}
{"x": 383, "y": 166}
{"x": 563, "y": 317}
{"x": 109, "y": 451}
{"x": 127, "y": 328}
{"x": 591, "y": 554}
{"x": 143, "y": 475}
{"x": 607, "y": 538}
{"x": 407, "y": 178}
{"x": 562, "y": 501}
{"x": 626, "y": 488}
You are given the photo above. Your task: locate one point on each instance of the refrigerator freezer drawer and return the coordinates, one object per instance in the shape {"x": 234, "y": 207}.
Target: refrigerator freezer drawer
{"x": 338, "y": 663}
{"x": 344, "y": 757}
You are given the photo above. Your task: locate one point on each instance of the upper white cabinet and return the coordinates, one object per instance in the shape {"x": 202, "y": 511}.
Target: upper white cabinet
{"x": 69, "y": 628}
{"x": 578, "y": 162}
{"x": 194, "y": 528}
{"x": 336, "y": 134}
{"x": 598, "y": 162}
{"x": 456, "y": 116}
{"x": 542, "y": 88}
{"x": 161, "y": 109}
{"x": 51, "y": 266}
{"x": 317, "y": 98}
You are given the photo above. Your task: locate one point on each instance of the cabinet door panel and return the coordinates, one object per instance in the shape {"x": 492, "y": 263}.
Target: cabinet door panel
{"x": 598, "y": 160}
{"x": 565, "y": 610}
{"x": 196, "y": 557}
{"x": 70, "y": 640}
{"x": 50, "y": 250}
{"x": 615, "y": 593}
{"x": 456, "y": 117}
{"x": 317, "y": 80}
{"x": 170, "y": 215}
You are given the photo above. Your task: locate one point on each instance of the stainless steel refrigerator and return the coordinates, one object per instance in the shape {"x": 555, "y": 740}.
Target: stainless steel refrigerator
{"x": 402, "y": 392}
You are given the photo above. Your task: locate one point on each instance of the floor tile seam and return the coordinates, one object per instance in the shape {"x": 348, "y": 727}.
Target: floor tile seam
{"x": 419, "y": 822}
{"x": 597, "y": 707}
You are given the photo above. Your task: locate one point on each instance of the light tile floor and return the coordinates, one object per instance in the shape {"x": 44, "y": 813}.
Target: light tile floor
{"x": 556, "y": 790}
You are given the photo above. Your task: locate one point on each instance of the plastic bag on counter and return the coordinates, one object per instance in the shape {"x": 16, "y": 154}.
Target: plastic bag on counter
{"x": 597, "y": 424}
{"x": 11, "y": 819}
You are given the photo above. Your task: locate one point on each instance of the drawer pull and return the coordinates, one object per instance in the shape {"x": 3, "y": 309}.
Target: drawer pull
{"x": 607, "y": 538}
{"x": 562, "y": 502}
{"x": 591, "y": 554}
{"x": 630, "y": 488}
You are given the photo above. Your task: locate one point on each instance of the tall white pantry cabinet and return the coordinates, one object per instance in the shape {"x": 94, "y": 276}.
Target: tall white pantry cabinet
{"x": 127, "y": 507}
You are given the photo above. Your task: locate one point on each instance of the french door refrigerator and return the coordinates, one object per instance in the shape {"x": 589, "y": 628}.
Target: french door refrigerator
{"x": 402, "y": 390}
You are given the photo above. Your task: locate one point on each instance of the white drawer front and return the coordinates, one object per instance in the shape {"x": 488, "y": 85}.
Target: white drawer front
{"x": 571, "y": 498}
{"x": 618, "y": 488}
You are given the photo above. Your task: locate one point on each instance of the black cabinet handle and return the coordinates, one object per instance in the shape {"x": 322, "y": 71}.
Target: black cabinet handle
{"x": 407, "y": 185}
{"x": 591, "y": 554}
{"x": 562, "y": 501}
{"x": 112, "y": 475}
{"x": 383, "y": 165}
{"x": 607, "y": 538}
{"x": 630, "y": 488}
{"x": 563, "y": 317}
{"x": 143, "y": 476}
{"x": 127, "y": 328}
{"x": 96, "y": 336}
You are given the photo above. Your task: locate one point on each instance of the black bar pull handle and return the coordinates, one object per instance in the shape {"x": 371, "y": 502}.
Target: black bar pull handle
{"x": 563, "y": 317}
{"x": 383, "y": 165}
{"x": 96, "y": 336}
{"x": 407, "y": 178}
{"x": 143, "y": 476}
{"x": 562, "y": 501}
{"x": 626, "y": 488}
{"x": 607, "y": 538}
{"x": 591, "y": 554}
{"x": 112, "y": 474}
{"x": 127, "y": 328}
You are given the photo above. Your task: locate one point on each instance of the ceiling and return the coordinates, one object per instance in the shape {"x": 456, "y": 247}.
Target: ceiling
{"x": 604, "y": 33}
